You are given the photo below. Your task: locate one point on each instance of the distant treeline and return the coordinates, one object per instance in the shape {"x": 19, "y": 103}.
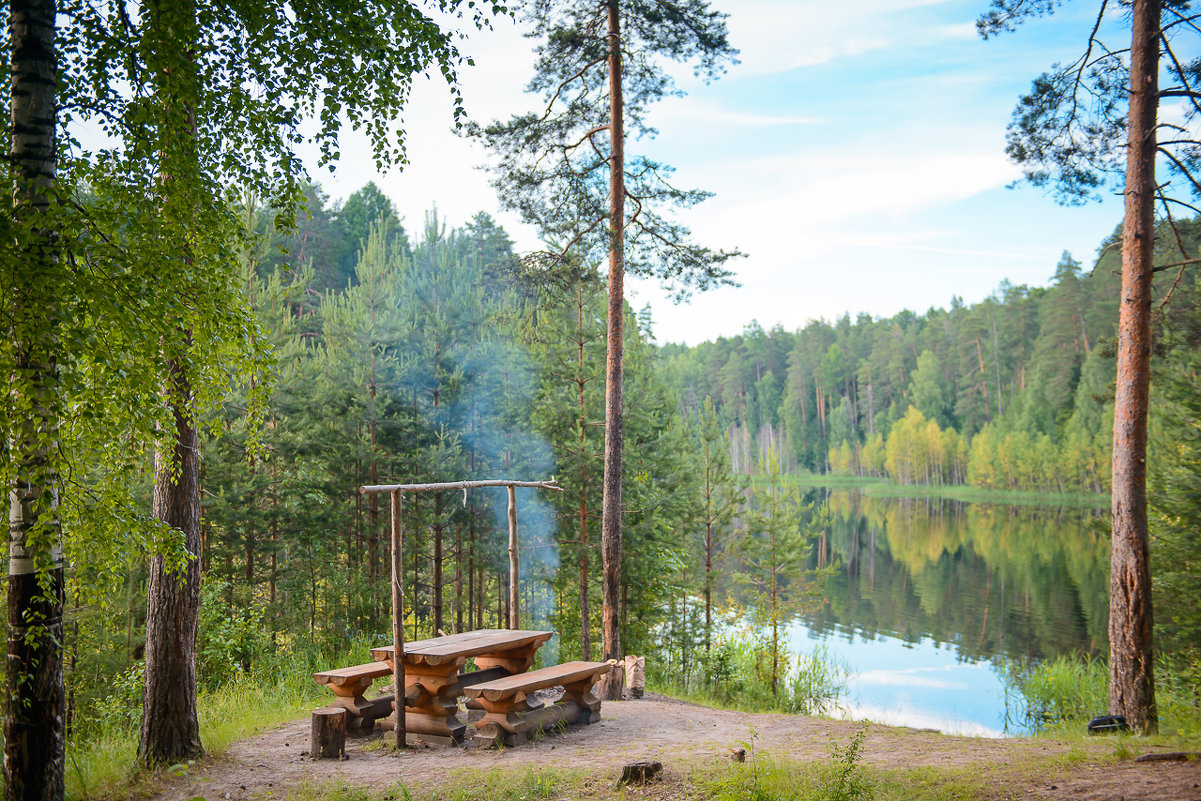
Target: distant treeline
{"x": 1014, "y": 392}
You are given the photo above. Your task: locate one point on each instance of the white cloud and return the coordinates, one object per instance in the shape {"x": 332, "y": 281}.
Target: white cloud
{"x": 902, "y": 715}
{"x": 911, "y": 677}
{"x": 963, "y": 30}
{"x": 779, "y": 35}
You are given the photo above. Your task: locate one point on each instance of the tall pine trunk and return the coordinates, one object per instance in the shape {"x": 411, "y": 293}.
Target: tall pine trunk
{"x": 1131, "y": 662}
{"x": 610, "y": 687}
{"x": 585, "y": 612}
{"x": 170, "y": 729}
{"x": 34, "y": 701}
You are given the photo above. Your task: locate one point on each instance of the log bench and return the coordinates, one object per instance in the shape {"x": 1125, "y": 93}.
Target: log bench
{"x": 351, "y": 683}
{"x": 510, "y": 717}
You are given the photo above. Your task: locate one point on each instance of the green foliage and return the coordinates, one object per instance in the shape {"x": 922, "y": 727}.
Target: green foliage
{"x": 816, "y": 682}
{"x": 553, "y": 165}
{"x": 737, "y": 673}
{"x": 845, "y": 778}
{"x": 1067, "y": 690}
{"x": 231, "y": 635}
{"x": 120, "y": 712}
{"x": 1014, "y": 392}
{"x": 1063, "y": 694}
{"x": 1069, "y": 133}
{"x": 1174, "y": 496}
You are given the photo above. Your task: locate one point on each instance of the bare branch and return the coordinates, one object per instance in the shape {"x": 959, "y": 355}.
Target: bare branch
{"x": 1084, "y": 60}
{"x": 559, "y": 89}
{"x": 1190, "y": 21}
{"x": 580, "y": 141}
{"x": 1188, "y": 206}
{"x": 1180, "y": 73}
{"x": 1183, "y": 169}
{"x": 1180, "y": 93}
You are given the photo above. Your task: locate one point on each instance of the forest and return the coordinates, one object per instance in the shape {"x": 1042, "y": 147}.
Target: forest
{"x": 442, "y": 357}
{"x": 1011, "y": 393}
{"x": 206, "y": 361}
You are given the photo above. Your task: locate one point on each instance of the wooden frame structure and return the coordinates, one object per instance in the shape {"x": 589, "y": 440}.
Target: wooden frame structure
{"x": 395, "y": 491}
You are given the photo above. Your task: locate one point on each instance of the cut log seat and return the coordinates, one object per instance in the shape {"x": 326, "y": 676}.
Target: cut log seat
{"x": 351, "y": 681}
{"x": 510, "y": 717}
{"x": 349, "y": 684}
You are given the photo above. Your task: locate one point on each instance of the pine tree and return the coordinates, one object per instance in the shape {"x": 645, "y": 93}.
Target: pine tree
{"x": 566, "y": 172}
{"x": 720, "y": 499}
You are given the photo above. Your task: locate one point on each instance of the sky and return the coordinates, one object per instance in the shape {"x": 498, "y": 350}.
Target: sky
{"x": 856, "y": 156}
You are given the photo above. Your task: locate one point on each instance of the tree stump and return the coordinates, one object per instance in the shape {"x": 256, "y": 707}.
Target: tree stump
{"x": 640, "y": 772}
{"x": 329, "y": 733}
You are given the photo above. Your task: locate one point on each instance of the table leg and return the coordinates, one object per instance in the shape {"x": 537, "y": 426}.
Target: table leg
{"x": 432, "y": 700}
{"x": 580, "y": 693}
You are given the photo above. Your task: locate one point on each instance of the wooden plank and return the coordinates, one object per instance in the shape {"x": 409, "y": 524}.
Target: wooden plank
{"x": 350, "y": 675}
{"x": 470, "y": 643}
{"x": 458, "y": 485}
{"x": 566, "y": 673}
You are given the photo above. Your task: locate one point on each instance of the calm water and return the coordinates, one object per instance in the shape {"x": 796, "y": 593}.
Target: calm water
{"x": 934, "y": 596}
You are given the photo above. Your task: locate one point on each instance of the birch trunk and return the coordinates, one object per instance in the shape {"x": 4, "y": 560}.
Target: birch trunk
{"x": 34, "y": 700}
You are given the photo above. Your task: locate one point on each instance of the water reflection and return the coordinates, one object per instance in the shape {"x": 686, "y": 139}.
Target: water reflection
{"x": 933, "y": 595}
{"x": 991, "y": 580}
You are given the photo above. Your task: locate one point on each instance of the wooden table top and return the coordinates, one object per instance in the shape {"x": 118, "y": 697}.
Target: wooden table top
{"x": 469, "y": 643}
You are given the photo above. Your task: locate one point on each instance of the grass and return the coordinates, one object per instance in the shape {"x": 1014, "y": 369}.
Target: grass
{"x": 886, "y": 488}
{"x": 768, "y": 778}
{"x": 736, "y": 675}
{"x": 1059, "y": 697}
{"x": 102, "y": 762}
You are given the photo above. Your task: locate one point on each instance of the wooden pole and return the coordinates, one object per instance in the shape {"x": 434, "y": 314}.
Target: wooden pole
{"x": 514, "y": 562}
{"x": 398, "y": 632}
{"x": 458, "y": 485}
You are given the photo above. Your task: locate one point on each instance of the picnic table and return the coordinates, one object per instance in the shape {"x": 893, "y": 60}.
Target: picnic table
{"x": 434, "y": 679}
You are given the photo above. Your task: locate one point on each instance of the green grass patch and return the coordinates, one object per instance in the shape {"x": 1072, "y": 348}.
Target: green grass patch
{"x": 736, "y": 675}
{"x": 534, "y": 784}
{"x": 1060, "y": 696}
{"x": 775, "y": 779}
{"x": 881, "y": 487}
{"x": 764, "y": 778}
{"x": 102, "y": 756}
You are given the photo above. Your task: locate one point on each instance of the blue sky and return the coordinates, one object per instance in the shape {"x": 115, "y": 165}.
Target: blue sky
{"x": 856, "y": 155}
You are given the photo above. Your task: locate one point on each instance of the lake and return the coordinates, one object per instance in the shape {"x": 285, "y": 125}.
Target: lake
{"x": 933, "y": 597}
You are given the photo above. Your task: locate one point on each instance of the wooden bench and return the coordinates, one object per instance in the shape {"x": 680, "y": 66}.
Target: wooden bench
{"x": 433, "y": 674}
{"x": 349, "y": 685}
{"x": 510, "y": 716}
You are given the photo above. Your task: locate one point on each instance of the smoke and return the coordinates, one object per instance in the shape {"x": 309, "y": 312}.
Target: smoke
{"x": 472, "y": 394}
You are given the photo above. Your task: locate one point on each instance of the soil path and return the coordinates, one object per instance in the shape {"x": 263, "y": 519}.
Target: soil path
{"x": 681, "y": 735}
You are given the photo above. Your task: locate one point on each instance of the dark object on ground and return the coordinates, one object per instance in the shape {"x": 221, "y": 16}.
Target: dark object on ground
{"x": 738, "y": 754}
{"x": 1167, "y": 756}
{"x": 328, "y": 739}
{"x": 1107, "y": 724}
{"x": 640, "y": 772}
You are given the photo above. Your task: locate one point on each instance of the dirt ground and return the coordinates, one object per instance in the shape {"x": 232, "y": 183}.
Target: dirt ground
{"x": 681, "y": 736}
